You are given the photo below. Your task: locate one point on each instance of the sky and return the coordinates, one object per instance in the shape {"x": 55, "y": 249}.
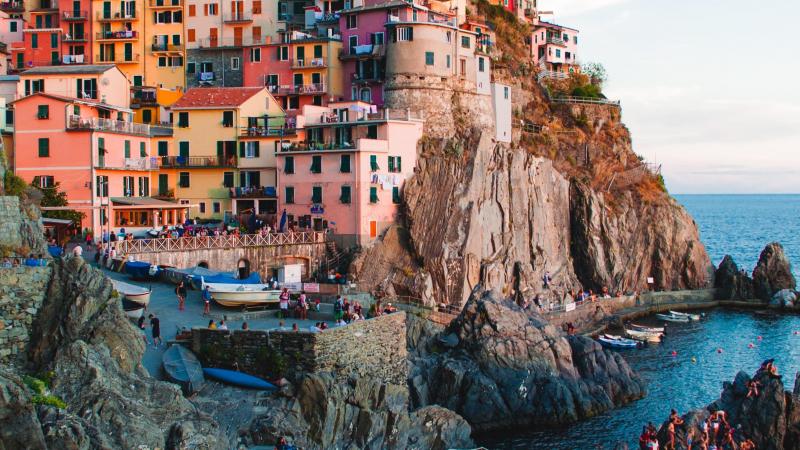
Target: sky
{"x": 710, "y": 89}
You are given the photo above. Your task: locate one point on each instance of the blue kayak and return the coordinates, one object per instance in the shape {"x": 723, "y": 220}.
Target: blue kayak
{"x": 238, "y": 379}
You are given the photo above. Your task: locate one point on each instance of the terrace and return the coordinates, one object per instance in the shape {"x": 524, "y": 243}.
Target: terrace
{"x": 310, "y": 63}
{"x": 132, "y": 164}
{"x": 12, "y": 7}
{"x": 265, "y": 126}
{"x": 366, "y": 51}
{"x": 164, "y": 47}
{"x": 298, "y": 89}
{"x": 238, "y": 17}
{"x": 78, "y": 123}
{"x": 78, "y": 37}
{"x": 197, "y": 162}
{"x": 122, "y": 35}
{"x": 359, "y": 145}
{"x": 143, "y": 96}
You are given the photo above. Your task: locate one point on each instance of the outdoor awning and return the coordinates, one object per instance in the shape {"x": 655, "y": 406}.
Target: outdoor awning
{"x": 146, "y": 203}
{"x": 48, "y": 220}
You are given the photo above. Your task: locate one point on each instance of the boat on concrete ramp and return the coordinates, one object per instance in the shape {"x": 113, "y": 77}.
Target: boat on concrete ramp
{"x": 242, "y": 295}
{"x": 132, "y": 292}
{"x": 183, "y": 369}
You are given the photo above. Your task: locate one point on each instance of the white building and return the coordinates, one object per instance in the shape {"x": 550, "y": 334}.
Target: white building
{"x": 501, "y": 102}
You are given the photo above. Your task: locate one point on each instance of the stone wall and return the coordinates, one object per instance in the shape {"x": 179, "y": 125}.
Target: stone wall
{"x": 22, "y": 291}
{"x": 374, "y": 348}
{"x": 220, "y": 58}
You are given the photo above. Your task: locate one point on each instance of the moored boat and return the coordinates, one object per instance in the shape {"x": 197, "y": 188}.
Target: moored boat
{"x": 238, "y": 379}
{"x": 132, "y": 309}
{"x": 647, "y": 329}
{"x": 690, "y": 316}
{"x": 229, "y": 294}
{"x": 673, "y": 318}
{"x": 132, "y": 292}
{"x": 183, "y": 368}
{"x": 644, "y": 336}
{"x": 608, "y": 340}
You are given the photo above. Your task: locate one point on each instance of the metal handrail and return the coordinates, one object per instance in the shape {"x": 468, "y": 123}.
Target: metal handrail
{"x": 589, "y": 100}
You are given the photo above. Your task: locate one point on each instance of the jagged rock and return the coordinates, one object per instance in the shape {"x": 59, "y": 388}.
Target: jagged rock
{"x": 511, "y": 369}
{"x": 772, "y": 273}
{"x": 783, "y": 299}
{"x": 362, "y": 414}
{"x": 732, "y": 283}
{"x": 19, "y": 426}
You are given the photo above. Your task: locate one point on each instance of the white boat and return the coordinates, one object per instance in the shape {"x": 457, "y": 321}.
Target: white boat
{"x": 132, "y": 292}
{"x": 609, "y": 340}
{"x": 230, "y": 294}
{"x": 690, "y": 316}
{"x": 673, "y": 318}
{"x": 647, "y": 329}
{"x": 643, "y": 336}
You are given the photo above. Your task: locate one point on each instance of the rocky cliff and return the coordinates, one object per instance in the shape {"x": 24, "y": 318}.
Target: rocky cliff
{"x": 501, "y": 367}
{"x": 772, "y": 279}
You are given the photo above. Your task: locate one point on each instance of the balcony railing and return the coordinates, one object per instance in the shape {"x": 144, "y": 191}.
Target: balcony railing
{"x": 366, "y": 78}
{"x": 556, "y": 40}
{"x": 75, "y": 15}
{"x": 117, "y": 59}
{"x": 117, "y": 35}
{"x": 45, "y": 5}
{"x": 164, "y": 47}
{"x": 299, "y": 89}
{"x": 238, "y": 17}
{"x": 354, "y": 118}
{"x": 196, "y": 161}
{"x": 166, "y": 4}
{"x": 271, "y": 131}
{"x": 73, "y": 59}
{"x": 116, "y": 17}
{"x": 363, "y": 52}
{"x": 83, "y": 37}
{"x": 132, "y": 164}
{"x": 143, "y": 96}
{"x": 211, "y": 43}
{"x": 253, "y": 192}
{"x": 309, "y": 62}
{"x": 12, "y": 6}
{"x": 97, "y": 124}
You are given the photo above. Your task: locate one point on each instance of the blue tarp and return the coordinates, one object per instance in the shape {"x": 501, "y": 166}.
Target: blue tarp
{"x": 55, "y": 251}
{"x": 223, "y": 277}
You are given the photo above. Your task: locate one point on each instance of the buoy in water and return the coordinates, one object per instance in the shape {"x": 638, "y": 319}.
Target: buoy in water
{"x": 719, "y": 350}
{"x": 750, "y": 345}
{"x": 674, "y": 353}
{"x": 694, "y": 360}
{"x": 760, "y": 338}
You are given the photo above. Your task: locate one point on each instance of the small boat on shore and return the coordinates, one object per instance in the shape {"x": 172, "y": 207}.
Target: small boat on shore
{"x": 132, "y": 309}
{"x": 673, "y": 318}
{"x": 690, "y": 316}
{"x": 183, "y": 369}
{"x": 143, "y": 270}
{"x": 612, "y": 341}
{"x": 644, "y": 336}
{"x": 238, "y": 379}
{"x": 132, "y": 292}
{"x": 233, "y": 295}
{"x": 648, "y": 329}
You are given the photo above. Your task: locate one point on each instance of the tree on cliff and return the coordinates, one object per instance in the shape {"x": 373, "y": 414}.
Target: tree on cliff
{"x": 52, "y": 196}
{"x": 596, "y": 72}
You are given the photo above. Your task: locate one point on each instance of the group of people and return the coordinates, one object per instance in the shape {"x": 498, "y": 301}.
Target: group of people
{"x": 31, "y": 261}
{"x": 155, "y": 329}
{"x": 345, "y": 312}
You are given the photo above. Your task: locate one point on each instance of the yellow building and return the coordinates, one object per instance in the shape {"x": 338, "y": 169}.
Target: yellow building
{"x": 164, "y": 53}
{"x": 316, "y": 69}
{"x": 151, "y": 104}
{"x": 219, "y": 148}
{"x": 118, "y": 36}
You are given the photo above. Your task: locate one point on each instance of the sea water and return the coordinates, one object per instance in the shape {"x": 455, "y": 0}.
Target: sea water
{"x": 708, "y": 352}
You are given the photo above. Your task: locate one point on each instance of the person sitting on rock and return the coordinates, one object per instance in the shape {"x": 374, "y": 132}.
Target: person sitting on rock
{"x": 752, "y": 388}
{"x": 644, "y": 439}
{"x": 747, "y": 444}
{"x": 675, "y": 418}
{"x": 212, "y": 325}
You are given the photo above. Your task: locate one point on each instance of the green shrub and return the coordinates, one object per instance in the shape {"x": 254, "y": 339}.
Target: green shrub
{"x": 14, "y": 184}
{"x": 36, "y": 385}
{"x": 587, "y": 90}
{"x": 48, "y": 399}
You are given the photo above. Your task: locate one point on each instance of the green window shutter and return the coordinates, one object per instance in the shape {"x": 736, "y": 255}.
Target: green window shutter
{"x": 288, "y": 166}
{"x": 147, "y": 116}
{"x": 127, "y": 149}
{"x": 34, "y": 41}
{"x": 316, "y": 194}
{"x": 373, "y": 163}
{"x": 220, "y": 150}
{"x": 316, "y": 164}
{"x": 183, "y": 149}
{"x": 163, "y": 147}
{"x": 241, "y": 150}
{"x": 345, "y": 197}
{"x": 256, "y": 148}
{"x": 76, "y": 110}
{"x": 44, "y": 147}
{"x": 227, "y": 179}
{"x": 53, "y": 40}
{"x": 43, "y": 112}
{"x": 183, "y": 119}
{"x": 395, "y": 194}
{"x": 163, "y": 184}
{"x": 391, "y": 164}
{"x": 373, "y": 195}
{"x": 142, "y": 150}
{"x": 289, "y": 195}
{"x": 227, "y": 118}
{"x": 398, "y": 164}
{"x": 345, "y": 164}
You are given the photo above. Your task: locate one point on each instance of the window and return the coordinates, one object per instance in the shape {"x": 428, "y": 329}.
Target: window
{"x": 43, "y": 112}
{"x": 202, "y": 206}
{"x": 44, "y": 181}
{"x": 190, "y": 35}
{"x": 53, "y": 40}
{"x": 351, "y": 21}
{"x": 255, "y": 54}
{"x": 463, "y": 65}
{"x": 217, "y": 207}
{"x": 235, "y": 63}
{"x": 44, "y": 147}
{"x": 192, "y": 10}
{"x": 428, "y": 58}
{"x": 344, "y": 197}
{"x": 144, "y": 186}
{"x": 34, "y": 41}
{"x": 352, "y": 42}
{"x": 449, "y": 37}
{"x": 163, "y": 147}
{"x": 575, "y": 39}
{"x": 183, "y": 119}
{"x": 317, "y": 51}
{"x": 102, "y": 185}
{"x": 127, "y": 186}
{"x": 294, "y": 102}
{"x": 142, "y": 150}
{"x": 448, "y": 61}
{"x": 249, "y": 149}
{"x": 403, "y": 34}
{"x": 372, "y": 132}
{"x": 127, "y": 149}
{"x": 316, "y": 164}
{"x": 558, "y": 53}
{"x": 316, "y": 194}
{"x": 213, "y": 9}
{"x": 395, "y": 164}
{"x": 344, "y": 165}
{"x": 505, "y": 92}
{"x": 481, "y": 64}
{"x": 288, "y": 195}
{"x": 376, "y": 38}
{"x": 190, "y": 67}
{"x": 227, "y": 179}
{"x": 183, "y": 179}
{"x": 256, "y": 6}
{"x": 13, "y": 26}
{"x": 147, "y": 116}
{"x": 271, "y": 80}
{"x": 288, "y": 165}
{"x": 183, "y": 149}
{"x": 283, "y": 53}
{"x": 373, "y": 163}
{"x": 396, "y": 194}
{"x": 227, "y": 119}
{"x": 465, "y": 41}
{"x": 162, "y": 61}
{"x": 373, "y": 194}
{"x": 566, "y": 37}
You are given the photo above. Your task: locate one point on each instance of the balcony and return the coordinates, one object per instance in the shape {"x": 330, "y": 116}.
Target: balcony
{"x": 73, "y": 59}
{"x": 12, "y": 7}
{"x": 229, "y": 42}
{"x": 162, "y": 47}
{"x": 367, "y": 51}
{"x": 309, "y": 63}
{"x": 238, "y": 17}
{"x": 299, "y": 89}
{"x": 361, "y": 145}
{"x": 79, "y": 123}
{"x": 77, "y": 38}
{"x": 45, "y": 5}
{"x": 367, "y": 78}
{"x": 130, "y": 59}
{"x": 166, "y": 4}
{"x": 43, "y": 22}
{"x": 253, "y": 192}
{"x": 143, "y": 96}
{"x": 271, "y": 131}
{"x": 116, "y": 17}
{"x": 132, "y": 164}
{"x": 557, "y": 41}
{"x": 75, "y": 16}
{"x": 206, "y": 77}
{"x": 360, "y": 117}
{"x": 124, "y": 35}
{"x": 176, "y": 162}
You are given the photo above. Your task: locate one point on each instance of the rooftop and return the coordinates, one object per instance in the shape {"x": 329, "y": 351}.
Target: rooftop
{"x": 543, "y": 24}
{"x": 389, "y": 4}
{"x": 218, "y": 97}
{"x": 78, "y": 101}
{"x": 69, "y": 69}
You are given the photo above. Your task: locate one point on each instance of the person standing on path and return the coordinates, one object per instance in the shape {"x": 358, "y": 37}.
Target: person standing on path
{"x": 141, "y": 325}
{"x": 207, "y": 301}
{"x": 284, "y": 303}
{"x": 155, "y": 329}
{"x": 181, "y": 292}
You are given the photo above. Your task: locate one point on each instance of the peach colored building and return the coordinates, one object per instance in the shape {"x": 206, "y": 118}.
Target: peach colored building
{"x": 100, "y": 82}
{"x": 555, "y": 48}
{"x": 100, "y": 158}
{"x": 348, "y": 174}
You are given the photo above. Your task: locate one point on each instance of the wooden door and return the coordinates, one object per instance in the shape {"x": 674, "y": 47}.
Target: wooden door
{"x": 212, "y": 37}
{"x": 373, "y": 229}
{"x": 237, "y": 36}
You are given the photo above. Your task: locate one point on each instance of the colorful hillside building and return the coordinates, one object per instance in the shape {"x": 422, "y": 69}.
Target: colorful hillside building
{"x": 554, "y": 49}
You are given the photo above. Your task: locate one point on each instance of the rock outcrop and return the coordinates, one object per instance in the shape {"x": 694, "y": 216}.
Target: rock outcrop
{"x": 772, "y": 273}
{"x": 731, "y": 283}
{"x": 361, "y": 413}
{"x": 502, "y": 367}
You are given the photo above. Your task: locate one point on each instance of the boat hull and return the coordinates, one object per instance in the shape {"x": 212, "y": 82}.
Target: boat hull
{"x": 613, "y": 343}
{"x": 142, "y": 299}
{"x": 643, "y": 336}
{"x": 233, "y": 295}
{"x": 690, "y": 316}
{"x": 183, "y": 369}
{"x": 238, "y": 379}
{"x": 676, "y": 319}
{"x": 647, "y": 329}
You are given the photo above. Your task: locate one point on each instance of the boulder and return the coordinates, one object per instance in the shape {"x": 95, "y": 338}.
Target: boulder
{"x": 783, "y": 299}
{"x": 731, "y": 283}
{"x": 772, "y": 273}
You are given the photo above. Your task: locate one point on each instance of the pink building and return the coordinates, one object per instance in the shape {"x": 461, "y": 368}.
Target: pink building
{"x": 349, "y": 173}
{"x": 100, "y": 158}
{"x": 555, "y": 48}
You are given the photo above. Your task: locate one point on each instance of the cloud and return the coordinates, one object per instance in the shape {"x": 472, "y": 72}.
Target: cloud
{"x": 568, "y": 8}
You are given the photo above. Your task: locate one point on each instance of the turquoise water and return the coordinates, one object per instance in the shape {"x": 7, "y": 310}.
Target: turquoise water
{"x": 738, "y": 225}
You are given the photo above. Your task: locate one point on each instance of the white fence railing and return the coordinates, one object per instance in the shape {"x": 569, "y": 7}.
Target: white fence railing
{"x": 189, "y": 243}
{"x": 586, "y": 100}
{"x": 95, "y": 123}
